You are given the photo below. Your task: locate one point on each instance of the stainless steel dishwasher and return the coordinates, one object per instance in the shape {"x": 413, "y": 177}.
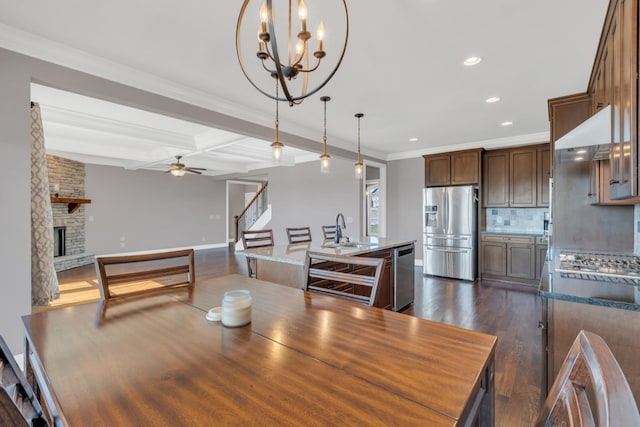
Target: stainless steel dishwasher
{"x": 403, "y": 276}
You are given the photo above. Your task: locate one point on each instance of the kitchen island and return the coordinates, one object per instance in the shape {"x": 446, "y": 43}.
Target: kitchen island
{"x": 570, "y": 304}
{"x": 284, "y": 264}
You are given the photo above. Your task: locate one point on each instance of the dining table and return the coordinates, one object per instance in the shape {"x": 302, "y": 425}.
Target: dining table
{"x": 304, "y": 359}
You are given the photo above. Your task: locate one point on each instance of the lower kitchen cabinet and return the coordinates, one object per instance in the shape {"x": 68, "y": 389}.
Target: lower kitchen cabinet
{"x": 542, "y": 243}
{"x": 509, "y": 258}
{"x": 385, "y": 286}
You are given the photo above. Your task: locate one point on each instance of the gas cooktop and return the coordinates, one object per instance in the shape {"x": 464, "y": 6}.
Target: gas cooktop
{"x": 599, "y": 266}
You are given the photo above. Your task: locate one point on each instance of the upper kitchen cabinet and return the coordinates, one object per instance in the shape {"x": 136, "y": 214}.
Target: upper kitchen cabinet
{"x": 614, "y": 82}
{"x": 455, "y": 168}
{"x": 517, "y": 177}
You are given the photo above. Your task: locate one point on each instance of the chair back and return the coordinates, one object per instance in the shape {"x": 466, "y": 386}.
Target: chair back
{"x": 298, "y": 234}
{"x": 589, "y": 375}
{"x": 130, "y": 275}
{"x": 18, "y": 405}
{"x": 329, "y": 231}
{"x": 349, "y": 277}
{"x": 256, "y": 239}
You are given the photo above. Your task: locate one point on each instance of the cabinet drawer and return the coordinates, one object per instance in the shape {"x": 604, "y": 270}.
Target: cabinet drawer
{"x": 506, "y": 238}
{"x": 542, "y": 240}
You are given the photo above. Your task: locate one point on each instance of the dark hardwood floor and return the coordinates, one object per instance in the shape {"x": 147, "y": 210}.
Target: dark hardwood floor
{"x": 508, "y": 311}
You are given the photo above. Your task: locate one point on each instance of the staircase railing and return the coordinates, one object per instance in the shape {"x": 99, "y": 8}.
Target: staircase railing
{"x": 250, "y": 214}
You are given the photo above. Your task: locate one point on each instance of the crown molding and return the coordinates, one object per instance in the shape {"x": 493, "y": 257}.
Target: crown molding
{"x": 35, "y": 46}
{"x": 488, "y": 144}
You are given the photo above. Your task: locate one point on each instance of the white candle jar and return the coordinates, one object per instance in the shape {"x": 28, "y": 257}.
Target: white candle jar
{"x": 236, "y": 308}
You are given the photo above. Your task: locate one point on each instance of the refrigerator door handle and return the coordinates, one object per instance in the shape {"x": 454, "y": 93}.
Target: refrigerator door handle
{"x": 445, "y": 198}
{"x": 462, "y": 251}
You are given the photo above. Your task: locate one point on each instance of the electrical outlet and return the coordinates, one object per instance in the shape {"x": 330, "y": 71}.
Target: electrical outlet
{"x": 218, "y": 216}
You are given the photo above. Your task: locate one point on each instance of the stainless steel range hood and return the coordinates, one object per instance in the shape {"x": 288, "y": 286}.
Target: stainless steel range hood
{"x": 588, "y": 141}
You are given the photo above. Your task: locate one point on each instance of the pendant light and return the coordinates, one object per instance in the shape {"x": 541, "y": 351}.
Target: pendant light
{"x": 324, "y": 158}
{"x": 277, "y": 145}
{"x": 358, "y": 165}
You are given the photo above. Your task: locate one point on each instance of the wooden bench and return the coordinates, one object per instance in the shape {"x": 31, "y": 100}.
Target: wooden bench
{"x": 122, "y": 276}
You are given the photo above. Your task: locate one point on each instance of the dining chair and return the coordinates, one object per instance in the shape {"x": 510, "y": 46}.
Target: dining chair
{"x": 589, "y": 375}
{"x": 329, "y": 231}
{"x": 298, "y": 234}
{"x": 256, "y": 239}
{"x": 352, "y": 278}
{"x": 18, "y": 404}
{"x": 122, "y": 276}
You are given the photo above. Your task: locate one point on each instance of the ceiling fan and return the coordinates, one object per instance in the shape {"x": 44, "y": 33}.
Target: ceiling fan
{"x": 179, "y": 169}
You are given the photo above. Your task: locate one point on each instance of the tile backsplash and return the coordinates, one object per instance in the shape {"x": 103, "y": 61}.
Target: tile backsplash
{"x": 516, "y": 220}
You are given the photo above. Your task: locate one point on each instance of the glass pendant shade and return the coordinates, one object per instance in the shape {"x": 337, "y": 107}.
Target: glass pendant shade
{"x": 177, "y": 172}
{"x": 277, "y": 151}
{"x": 325, "y": 163}
{"x": 359, "y": 167}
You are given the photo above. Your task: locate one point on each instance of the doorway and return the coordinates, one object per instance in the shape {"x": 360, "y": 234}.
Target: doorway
{"x": 239, "y": 193}
{"x": 374, "y": 199}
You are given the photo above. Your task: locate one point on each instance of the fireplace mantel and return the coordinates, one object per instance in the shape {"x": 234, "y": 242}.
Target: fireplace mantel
{"x": 73, "y": 203}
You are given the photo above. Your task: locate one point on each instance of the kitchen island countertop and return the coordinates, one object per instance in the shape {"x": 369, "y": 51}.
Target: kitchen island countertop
{"x": 295, "y": 253}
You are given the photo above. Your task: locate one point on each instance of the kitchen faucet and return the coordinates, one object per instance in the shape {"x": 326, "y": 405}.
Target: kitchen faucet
{"x": 338, "y": 236}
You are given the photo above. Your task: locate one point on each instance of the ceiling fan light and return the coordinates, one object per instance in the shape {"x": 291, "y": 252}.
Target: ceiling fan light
{"x": 177, "y": 172}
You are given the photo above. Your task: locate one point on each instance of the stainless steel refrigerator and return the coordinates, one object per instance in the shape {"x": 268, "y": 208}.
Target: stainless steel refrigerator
{"x": 450, "y": 224}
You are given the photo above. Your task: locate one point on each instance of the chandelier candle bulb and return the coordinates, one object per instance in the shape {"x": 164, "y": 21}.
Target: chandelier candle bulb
{"x": 236, "y": 308}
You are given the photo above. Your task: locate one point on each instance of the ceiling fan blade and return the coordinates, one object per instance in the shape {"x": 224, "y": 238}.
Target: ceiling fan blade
{"x": 192, "y": 170}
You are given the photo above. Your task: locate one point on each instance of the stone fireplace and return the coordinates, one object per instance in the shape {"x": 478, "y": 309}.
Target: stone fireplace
{"x": 67, "y": 177}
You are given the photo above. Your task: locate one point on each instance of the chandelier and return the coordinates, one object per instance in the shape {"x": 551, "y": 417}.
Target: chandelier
{"x": 285, "y": 46}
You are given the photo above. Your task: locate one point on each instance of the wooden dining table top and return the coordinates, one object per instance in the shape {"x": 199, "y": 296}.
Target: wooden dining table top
{"x": 305, "y": 359}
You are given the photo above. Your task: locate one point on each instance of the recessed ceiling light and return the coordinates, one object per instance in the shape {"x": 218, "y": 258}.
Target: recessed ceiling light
{"x": 581, "y": 152}
{"x": 506, "y": 123}
{"x": 473, "y": 60}
{"x": 413, "y": 139}
{"x": 492, "y": 99}
{"x": 577, "y": 159}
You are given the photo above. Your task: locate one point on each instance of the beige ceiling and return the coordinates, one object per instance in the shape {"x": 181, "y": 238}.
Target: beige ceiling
{"x": 403, "y": 69}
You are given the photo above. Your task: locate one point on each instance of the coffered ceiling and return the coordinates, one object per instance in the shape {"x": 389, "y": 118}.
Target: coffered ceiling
{"x": 403, "y": 69}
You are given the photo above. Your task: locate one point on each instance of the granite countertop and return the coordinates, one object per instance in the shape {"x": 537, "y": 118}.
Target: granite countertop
{"x": 546, "y": 289}
{"x": 295, "y": 253}
{"x": 514, "y": 233}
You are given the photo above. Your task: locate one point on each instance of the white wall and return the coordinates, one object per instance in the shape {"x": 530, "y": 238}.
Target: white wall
{"x": 134, "y": 210}
{"x": 301, "y": 196}
{"x": 405, "y": 181}
{"x": 15, "y": 199}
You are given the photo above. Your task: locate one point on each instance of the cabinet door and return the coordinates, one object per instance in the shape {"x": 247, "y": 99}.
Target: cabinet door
{"x": 494, "y": 258}
{"x": 521, "y": 261}
{"x": 522, "y": 178}
{"x": 437, "y": 171}
{"x": 543, "y": 175}
{"x": 495, "y": 182}
{"x": 465, "y": 168}
{"x": 541, "y": 255}
{"x": 624, "y": 130}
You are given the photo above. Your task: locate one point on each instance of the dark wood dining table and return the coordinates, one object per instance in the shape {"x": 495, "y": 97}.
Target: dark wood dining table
{"x": 305, "y": 359}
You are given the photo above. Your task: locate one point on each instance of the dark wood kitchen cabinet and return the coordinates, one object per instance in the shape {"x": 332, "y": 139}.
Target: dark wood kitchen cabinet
{"x": 523, "y": 181}
{"x": 454, "y": 168}
{"x": 495, "y": 179}
{"x": 543, "y": 174}
{"x": 517, "y": 177}
{"x": 614, "y": 82}
{"x": 542, "y": 244}
{"x": 386, "y": 285}
{"x": 599, "y": 176}
{"x": 508, "y": 257}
